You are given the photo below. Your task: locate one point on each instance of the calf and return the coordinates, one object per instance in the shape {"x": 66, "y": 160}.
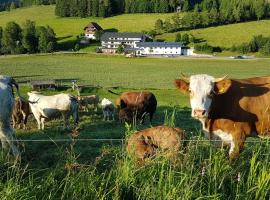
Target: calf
{"x": 136, "y": 105}
{"x": 145, "y": 143}
{"x": 107, "y": 109}
{"x": 20, "y": 113}
{"x": 84, "y": 101}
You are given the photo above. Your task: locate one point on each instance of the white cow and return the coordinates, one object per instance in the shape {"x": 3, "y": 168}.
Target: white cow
{"x": 50, "y": 107}
{"x": 6, "y": 106}
{"x": 107, "y": 108}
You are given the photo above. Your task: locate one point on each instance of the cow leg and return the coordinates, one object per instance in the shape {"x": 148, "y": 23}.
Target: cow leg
{"x": 25, "y": 117}
{"x": 8, "y": 140}
{"x": 42, "y": 120}
{"x": 75, "y": 118}
{"x": 38, "y": 118}
{"x": 65, "y": 118}
{"x": 237, "y": 145}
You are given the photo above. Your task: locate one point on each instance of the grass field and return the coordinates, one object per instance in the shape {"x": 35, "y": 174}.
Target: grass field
{"x": 227, "y": 35}
{"x": 67, "y": 28}
{"x": 101, "y": 169}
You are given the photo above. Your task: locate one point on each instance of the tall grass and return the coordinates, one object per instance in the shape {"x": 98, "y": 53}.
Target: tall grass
{"x": 201, "y": 172}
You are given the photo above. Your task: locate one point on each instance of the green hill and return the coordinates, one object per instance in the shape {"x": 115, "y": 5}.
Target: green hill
{"x": 227, "y": 35}
{"x": 68, "y": 28}
{"x": 65, "y": 27}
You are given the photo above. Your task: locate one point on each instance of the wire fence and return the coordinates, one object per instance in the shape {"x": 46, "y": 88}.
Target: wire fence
{"x": 111, "y": 139}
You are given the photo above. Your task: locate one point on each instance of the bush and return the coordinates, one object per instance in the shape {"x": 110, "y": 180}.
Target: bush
{"x": 204, "y": 48}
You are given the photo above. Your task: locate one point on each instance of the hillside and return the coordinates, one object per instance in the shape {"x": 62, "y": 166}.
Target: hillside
{"x": 67, "y": 28}
{"x": 227, "y": 35}
{"x": 70, "y": 27}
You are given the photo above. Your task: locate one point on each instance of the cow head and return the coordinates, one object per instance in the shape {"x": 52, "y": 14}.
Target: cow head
{"x": 202, "y": 89}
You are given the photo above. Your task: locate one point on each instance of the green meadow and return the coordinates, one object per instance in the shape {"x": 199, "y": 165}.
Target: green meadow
{"x": 95, "y": 164}
{"x": 68, "y": 28}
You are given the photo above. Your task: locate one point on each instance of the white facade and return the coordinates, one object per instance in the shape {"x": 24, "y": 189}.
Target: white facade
{"x": 90, "y": 36}
{"x": 159, "y": 48}
{"x": 159, "y": 51}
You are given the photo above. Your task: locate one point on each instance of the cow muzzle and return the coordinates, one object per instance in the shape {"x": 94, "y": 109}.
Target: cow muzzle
{"x": 199, "y": 113}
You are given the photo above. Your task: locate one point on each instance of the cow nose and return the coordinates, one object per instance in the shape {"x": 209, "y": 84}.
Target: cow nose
{"x": 199, "y": 113}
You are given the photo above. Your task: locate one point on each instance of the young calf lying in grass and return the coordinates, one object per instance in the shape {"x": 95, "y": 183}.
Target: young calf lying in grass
{"x": 148, "y": 142}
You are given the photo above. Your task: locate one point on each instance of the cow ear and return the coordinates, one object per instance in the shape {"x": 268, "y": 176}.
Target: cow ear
{"x": 182, "y": 85}
{"x": 223, "y": 86}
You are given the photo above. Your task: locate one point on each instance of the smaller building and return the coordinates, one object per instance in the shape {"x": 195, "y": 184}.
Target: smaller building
{"x": 43, "y": 84}
{"x": 90, "y": 30}
{"x": 159, "y": 48}
{"x": 110, "y": 41}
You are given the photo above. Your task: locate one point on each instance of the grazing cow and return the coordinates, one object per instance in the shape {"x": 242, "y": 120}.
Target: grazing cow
{"x": 146, "y": 143}
{"x": 50, "y": 107}
{"x": 136, "y": 105}
{"x": 20, "y": 113}
{"x": 6, "y": 105}
{"x": 229, "y": 109}
{"x": 84, "y": 101}
{"x": 107, "y": 109}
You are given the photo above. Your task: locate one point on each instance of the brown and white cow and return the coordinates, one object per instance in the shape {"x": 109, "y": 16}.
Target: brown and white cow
{"x": 20, "y": 113}
{"x": 229, "y": 109}
{"x": 148, "y": 142}
{"x": 136, "y": 105}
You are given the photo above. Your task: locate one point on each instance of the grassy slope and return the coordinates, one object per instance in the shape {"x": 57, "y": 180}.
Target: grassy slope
{"x": 227, "y": 35}
{"x": 44, "y": 15}
{"x": 224, "y": 36}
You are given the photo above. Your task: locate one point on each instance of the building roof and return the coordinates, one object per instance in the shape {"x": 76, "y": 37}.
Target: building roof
{"x": 93, "y": 25}
{"x": 159, "y": 44}
{"x": 107, "y": 35}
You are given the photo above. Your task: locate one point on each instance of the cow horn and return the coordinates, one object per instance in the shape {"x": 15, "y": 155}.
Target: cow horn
{"x": 221, "y": 79}
{"x": 185, "y": 77}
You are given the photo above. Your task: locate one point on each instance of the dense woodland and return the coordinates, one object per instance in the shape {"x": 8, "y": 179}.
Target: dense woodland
{"x": 28, "y": 39}
{"x": 210, "y": 11}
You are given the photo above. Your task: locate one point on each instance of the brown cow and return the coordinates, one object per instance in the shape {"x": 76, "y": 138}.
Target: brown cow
{"x": 84, "y": 101}
{"x": 136, "y": 105}
{"x": 148, "y": 142}
{"x": 231, "y": 109}
{"x": 20, "y": 113}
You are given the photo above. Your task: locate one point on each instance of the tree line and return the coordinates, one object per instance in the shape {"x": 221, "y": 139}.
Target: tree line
{"x": 29, "y": 39}
{"x": 13, "y": 4}
{"x": 215, "y": 12}
{"x": 106, "y": 8}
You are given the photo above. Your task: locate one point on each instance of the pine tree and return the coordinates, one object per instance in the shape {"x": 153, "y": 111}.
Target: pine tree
{"x": 12, "y": 38}
{"x": 29, "y": 39}
{"x": 259, "y": 8}
{"x": 178, "y": 37}
{"x": 163, "y": 6}
{"x": 159, "y": 25}
{"x": 95, "y": 7}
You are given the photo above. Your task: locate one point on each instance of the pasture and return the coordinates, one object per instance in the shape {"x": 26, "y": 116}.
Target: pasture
{"x": 95, "y": 168}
